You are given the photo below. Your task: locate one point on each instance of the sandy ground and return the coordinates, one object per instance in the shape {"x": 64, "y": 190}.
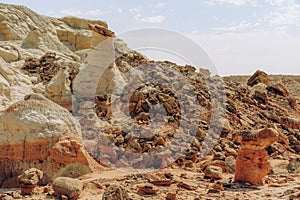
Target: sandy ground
{"x": 186, "y": 184}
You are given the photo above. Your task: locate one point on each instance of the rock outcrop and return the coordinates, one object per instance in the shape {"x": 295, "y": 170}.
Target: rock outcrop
{"x": 252, "y": 163}
{"x": 37, "y": 132}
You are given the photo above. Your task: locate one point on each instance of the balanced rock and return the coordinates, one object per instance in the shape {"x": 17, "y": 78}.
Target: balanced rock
{"x": 252, "y": 163}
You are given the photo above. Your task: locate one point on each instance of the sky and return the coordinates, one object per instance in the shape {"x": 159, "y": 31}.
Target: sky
{"x": 240, "y": 36}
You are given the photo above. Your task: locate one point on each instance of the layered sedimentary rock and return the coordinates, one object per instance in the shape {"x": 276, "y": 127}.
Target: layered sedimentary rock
{"x": 37, "y": 132}
{"x": 252, "y": 163}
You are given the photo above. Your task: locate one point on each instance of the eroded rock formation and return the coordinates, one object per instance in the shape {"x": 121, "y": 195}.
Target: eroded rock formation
{"x": 252, "y": 163}
{"x": 37, "y": 132}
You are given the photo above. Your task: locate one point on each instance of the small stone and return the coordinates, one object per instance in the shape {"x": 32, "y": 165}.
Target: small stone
{"x": 115, "y": 192}
{"x": 147, "y": 190}
{"x": 294, "y": 166}
{"x": 188, "y": 185}
{"x": 64, "y": 197}
{"x": 213, "y": 172}
{"x": 171, "y": 196}
{"x": 230, "y": 164}
{"x": 213, "y": 191}
{"x": 218, "y": 186}
{"x": 163, "y": 182}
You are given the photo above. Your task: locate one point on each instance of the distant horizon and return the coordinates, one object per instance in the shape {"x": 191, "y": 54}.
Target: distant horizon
{"x": 240, "y": 36}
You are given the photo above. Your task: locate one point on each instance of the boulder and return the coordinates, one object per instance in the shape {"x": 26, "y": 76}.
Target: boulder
{"x": 258, "y": 77}
{"x": 69, "y": 187}
{"x": 279, "y": 89}
{"x": 252, "y": 163}
{"x": 58, "y": 89}
{"x": 9, "y": 53}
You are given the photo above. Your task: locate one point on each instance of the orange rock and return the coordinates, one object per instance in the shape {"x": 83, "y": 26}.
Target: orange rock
{"x": 251, "y": 166}
{"x": 257, "y": 139}
{"x": 252, "y": 161}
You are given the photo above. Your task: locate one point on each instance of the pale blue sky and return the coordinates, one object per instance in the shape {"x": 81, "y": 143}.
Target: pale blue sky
{"x": 239, "y": 35}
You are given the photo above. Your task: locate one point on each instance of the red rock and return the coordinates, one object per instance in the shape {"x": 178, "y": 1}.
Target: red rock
{"x": 163, "y": 182}
{"x": 251, "y": 166}
{"x": 171, "y": 196}
{"x": 252, "y": 161}
{"x": 147, "y": 190}
{"x": 258, "y": 77}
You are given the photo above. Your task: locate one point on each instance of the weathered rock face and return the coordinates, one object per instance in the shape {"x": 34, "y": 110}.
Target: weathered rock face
{"x": 13, "y": 84}
{"x": 31, "y": 34}
{"x": 37, "y": 132}
{"x": 80, "y": 23}
{"x": 252, "y": 163}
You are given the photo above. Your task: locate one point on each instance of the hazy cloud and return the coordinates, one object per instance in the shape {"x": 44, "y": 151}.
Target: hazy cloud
{"x": 232, "y": 2}
{"x": 159, "y": 5}
{"x": 135, "y": 9}
{"x": 77, "y": 12}
{"x": 152, "y": 19}
{"x": 237, "y": 27}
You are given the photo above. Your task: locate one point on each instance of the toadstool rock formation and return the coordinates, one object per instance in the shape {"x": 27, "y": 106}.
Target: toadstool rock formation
{"x": 252, "y": 163}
